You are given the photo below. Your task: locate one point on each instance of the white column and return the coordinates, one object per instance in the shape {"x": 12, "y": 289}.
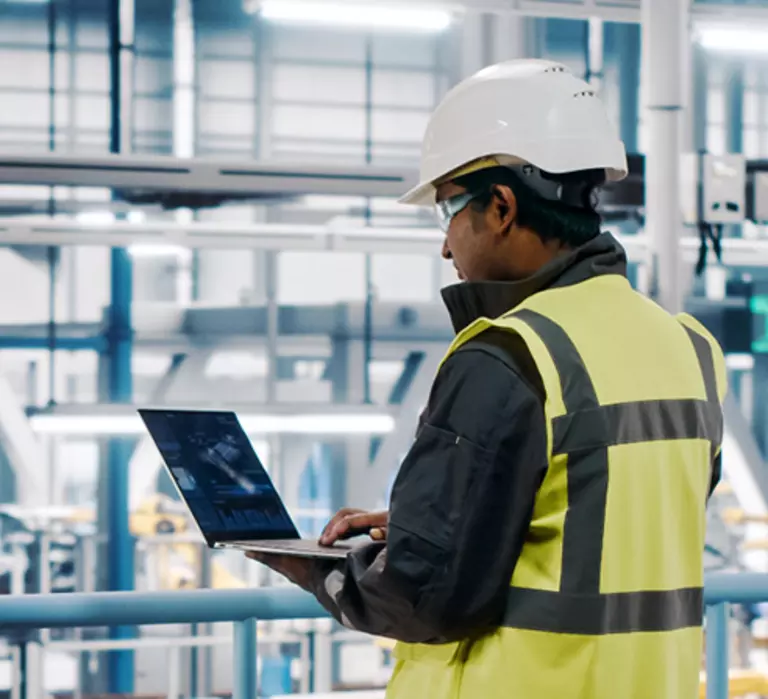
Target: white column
{"x": 596, "y": 53}
{"x": 183, "y": 79}
{"x": 183, "y": 122}
{"x": 472, "y": 46}
{"x": 509, "y": 38}
{"x": 127, "y": 67}
{"x": 665, "y": 38}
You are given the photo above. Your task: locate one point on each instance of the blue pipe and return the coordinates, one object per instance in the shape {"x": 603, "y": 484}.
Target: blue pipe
{"x": 717, "y": 651}
{"x": 629, "y": 50}
{"x": 246, "y": 680}
{"x": 120, "y": 553}
{"x": 734, "y": 115}
{"x": 739, "y": 588}
{"x": 245, "y": 606}
{"x": 80, "y": 609}
{"x": 71, "y": 344}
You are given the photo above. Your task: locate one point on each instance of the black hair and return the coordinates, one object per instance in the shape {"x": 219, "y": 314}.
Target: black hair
{"x": 551, "y": 220}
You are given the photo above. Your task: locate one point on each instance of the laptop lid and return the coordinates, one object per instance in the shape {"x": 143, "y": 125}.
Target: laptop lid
{"x": 219, "y": 475}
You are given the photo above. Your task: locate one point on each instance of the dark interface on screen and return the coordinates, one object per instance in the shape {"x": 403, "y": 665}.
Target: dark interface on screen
{"x": 219, "y": 474}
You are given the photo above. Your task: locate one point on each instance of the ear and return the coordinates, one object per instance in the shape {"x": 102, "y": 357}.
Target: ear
{"x": 503, "y": 209}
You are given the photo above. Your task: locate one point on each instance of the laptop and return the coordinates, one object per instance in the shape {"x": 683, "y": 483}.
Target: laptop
{"x": 225, "y": 486}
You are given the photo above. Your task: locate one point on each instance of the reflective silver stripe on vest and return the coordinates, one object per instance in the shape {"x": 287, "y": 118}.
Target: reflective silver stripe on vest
{"x": 642, "y": 421}
{"x": 593, "y": 615}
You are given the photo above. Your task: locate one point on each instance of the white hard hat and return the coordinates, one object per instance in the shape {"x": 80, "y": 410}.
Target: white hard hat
{"x": 524, "y": 111}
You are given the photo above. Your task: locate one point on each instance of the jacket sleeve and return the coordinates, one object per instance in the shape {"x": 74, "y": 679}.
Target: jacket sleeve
{"x": 460, "y": 508}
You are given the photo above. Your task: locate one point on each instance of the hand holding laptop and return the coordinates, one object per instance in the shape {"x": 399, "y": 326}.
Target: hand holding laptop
{"x": 346, "y": 523}
{"x": 350, "y": 522}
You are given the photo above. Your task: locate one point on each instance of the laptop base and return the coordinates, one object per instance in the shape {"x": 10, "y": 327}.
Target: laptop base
{"x": 301, "y": 548}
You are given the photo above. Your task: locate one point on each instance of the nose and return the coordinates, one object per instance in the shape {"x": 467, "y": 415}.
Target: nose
{"x": 446, "y": 251}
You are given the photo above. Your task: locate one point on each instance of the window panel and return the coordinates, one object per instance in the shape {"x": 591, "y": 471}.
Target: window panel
{"x": 751, "y": 142}
{"x": 318, "y": 84}
{"x": 321, "y": 122}
{"x": 23, "y": 69}
{"x": 92, "y": 71}
{"x": 228, "y": 79}
{"x": 224, "y": 41}
{"x": 32, "y": 139}
{"x": 27, "y": 110}
{"x": 751, "y": 107}
{"x": 316, "y": 278}
{"x": 297, "y": 43}
{"x": 152, "y": 114}
{"x": 413, "y": 51}
{"x": 716, "y": 105}
{"x": 716, "y": 139}
{"x": 62, "y": 111}
{"x": 398, "y": 126}
{"x": 388, "y": 271}
{"x": 392, "y": 87}
{"x": 233, "y": 119}
{"x": 92, "y": 112}
{"x": 153, "y": 75}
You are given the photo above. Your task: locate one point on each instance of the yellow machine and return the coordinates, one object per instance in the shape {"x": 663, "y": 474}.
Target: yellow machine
{"x": 160, "y": 515}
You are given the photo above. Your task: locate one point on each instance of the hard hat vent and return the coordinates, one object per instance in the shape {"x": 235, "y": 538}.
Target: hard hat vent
{"x": 585, "y": 93}
{"x": 555, "y": 69}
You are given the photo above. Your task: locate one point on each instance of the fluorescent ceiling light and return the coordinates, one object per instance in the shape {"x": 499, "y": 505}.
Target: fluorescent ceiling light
{"x": 734, "y": 40}
{"x": 145, "y": 251}
{"x": 96, "y": 218}
{"x": 359, "y": 15}
{"x": 132, "y": 425}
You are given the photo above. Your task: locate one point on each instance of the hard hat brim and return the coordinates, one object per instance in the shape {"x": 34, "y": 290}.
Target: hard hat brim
{"x": 421, "y": 195}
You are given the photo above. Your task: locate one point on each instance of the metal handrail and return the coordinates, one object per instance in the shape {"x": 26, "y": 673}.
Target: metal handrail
{"x": 244, "y": 607}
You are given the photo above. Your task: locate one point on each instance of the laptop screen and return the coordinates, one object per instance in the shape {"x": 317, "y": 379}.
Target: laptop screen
{"x": 219, "y": 475}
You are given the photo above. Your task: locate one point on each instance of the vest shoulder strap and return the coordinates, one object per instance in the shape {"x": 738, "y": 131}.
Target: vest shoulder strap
{"x": 710, "y": 355}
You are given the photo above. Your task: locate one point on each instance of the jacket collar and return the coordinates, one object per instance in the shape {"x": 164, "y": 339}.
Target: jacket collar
{"x": 468, "y": 301}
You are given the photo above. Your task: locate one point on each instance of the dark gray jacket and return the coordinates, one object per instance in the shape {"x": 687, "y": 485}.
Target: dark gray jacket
{"x": 463, "y": 498}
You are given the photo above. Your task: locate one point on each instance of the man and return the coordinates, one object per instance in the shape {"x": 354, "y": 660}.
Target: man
{"x": 546, "y": 530}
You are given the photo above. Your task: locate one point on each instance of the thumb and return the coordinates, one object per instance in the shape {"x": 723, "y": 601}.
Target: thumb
{"x": 378, "y": 534}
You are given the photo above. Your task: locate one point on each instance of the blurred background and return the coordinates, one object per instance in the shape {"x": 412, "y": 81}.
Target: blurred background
{"x": 197, "y": 209}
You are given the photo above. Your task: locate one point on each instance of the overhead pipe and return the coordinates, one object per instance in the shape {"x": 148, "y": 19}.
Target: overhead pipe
{"x": 170, "y": 238}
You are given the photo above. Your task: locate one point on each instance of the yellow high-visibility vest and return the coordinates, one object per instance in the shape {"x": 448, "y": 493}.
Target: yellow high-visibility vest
{"x": 606, "y": 598}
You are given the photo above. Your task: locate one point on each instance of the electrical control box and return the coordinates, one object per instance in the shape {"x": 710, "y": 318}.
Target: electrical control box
{"x": 760, "y": 198}
{"x": 723, "y": 188}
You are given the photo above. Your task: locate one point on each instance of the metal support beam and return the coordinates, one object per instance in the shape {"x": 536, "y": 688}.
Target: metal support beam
{"x": 278, "y": 237}
{"x": 665, "y": 37}
{"x": 734, "y": 107}
{"x": 610, "y": 10}
{"x": 700, "y": 89}
{"x": 718, "y": 641}
{"x": 246, "y": 678}
{"x": 629, "y": 47}
{"x": 120, "y": 553}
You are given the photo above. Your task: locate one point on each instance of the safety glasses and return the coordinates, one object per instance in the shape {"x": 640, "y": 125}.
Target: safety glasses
{"x": 448, "y": 208}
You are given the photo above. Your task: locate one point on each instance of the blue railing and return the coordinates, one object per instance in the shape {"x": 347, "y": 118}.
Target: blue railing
{"x": 245, "y": 607}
